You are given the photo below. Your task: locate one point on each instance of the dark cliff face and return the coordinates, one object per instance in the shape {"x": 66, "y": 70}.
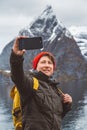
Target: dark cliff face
{"x": 56, "y": 39}
{"x": 70, "y": 63}
{"x": 5, "y": 55}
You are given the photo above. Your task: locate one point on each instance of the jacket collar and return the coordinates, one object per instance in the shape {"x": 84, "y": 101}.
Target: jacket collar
{"x": 41, "y": 76}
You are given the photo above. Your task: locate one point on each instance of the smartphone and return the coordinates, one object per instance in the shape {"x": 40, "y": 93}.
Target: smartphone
{"x": 30, "y": 43}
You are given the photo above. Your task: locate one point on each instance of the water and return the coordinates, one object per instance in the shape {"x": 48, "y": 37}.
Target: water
{"x": 76, "y": 119}
{"x": 5, "y": 104}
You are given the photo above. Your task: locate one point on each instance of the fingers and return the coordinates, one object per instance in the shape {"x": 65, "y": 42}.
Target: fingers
{"x": 67, "y": 98}
{"x": 16, "y": 46}
{"x": 21, "y": 52}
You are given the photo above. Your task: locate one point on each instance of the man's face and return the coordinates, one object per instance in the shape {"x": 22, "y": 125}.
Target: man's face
{"x": 45, "y": 65}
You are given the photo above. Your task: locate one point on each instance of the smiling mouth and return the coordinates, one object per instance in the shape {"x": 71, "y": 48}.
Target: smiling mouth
{"x": 46, "y": 71}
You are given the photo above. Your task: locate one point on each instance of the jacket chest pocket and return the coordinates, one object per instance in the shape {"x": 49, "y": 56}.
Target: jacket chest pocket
{"x": 43, "y": 100}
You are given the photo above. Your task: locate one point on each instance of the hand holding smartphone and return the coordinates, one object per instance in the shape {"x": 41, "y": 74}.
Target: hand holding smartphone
{"x": 30, "y": 43}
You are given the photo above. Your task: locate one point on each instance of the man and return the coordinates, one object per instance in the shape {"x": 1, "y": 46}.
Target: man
{"x": 44, "y": 108}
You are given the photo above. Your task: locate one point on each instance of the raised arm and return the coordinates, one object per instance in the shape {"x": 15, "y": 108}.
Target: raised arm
{"x": 17, "y": 72}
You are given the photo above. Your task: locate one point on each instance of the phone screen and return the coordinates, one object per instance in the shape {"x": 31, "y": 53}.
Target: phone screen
{"x": 30, "y": 43}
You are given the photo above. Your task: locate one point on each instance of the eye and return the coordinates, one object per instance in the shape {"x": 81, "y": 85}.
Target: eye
{"x": 50, "y": 62}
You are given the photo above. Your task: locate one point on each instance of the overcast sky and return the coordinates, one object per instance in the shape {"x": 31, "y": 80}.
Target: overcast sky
{"x": 17, "y": 14}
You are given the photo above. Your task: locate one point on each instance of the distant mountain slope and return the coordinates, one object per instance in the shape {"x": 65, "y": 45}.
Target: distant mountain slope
{"x": 58, "y": 40}
{"x": 80, "y": 35}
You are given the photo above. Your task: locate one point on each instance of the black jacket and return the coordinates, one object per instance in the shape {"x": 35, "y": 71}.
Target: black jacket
{"x": 42, "y": 109}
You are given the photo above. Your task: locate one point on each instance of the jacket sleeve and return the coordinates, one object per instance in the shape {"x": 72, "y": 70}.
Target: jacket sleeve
{"x": 66, "y": 108}
{"x": 24, "y": 84}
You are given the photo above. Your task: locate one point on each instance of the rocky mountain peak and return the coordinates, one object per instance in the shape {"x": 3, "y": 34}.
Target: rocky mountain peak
{"x": 42, "y": 26}
{"x": 46, "y": 25}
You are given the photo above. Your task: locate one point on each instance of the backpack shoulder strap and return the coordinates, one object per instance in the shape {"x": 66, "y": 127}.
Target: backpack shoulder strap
{"x": 14, "y": 94}
{"x": 14, "y": 88}
{"x": 35, "y": 83}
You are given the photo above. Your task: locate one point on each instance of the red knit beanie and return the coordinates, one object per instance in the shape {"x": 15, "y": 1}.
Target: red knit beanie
{"x": 37, "y": 58}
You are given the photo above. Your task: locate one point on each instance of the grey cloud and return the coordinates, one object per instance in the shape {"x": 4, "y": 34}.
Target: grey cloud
{"x": 19, "y": 12}
{"x": 20, "y": 7}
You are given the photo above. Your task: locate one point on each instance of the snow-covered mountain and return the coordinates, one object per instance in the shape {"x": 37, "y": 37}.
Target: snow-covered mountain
{"x": 47, "y": 26}
{"x": 80, "y": 35}
{"x": 56, "y": 39}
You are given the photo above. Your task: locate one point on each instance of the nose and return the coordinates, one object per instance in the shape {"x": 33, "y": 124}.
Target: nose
{"x": 47, "y": 64}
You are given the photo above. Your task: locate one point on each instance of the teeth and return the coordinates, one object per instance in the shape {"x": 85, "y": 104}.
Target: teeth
{"x": 45, "y": 69}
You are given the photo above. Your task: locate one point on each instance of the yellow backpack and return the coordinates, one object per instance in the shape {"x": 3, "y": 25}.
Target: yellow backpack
{"x": 16, "y": 110}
